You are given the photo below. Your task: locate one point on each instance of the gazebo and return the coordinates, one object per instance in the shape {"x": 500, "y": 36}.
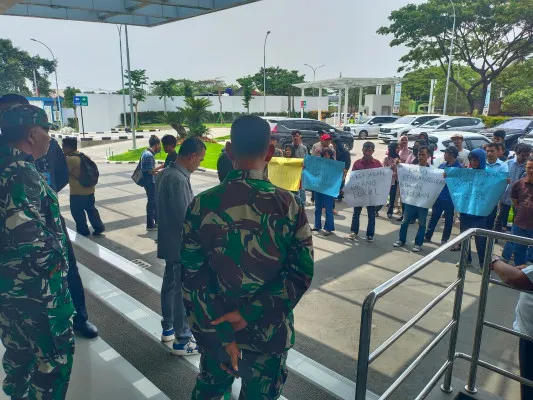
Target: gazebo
{"x": 341, "y": 84}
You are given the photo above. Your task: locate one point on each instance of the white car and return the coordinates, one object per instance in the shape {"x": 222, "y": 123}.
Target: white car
{"x": 441, "y": 140}
{"x": 446, "y": 123}
{"x": 369, "y": 128}
{"x": 401, "y": 126}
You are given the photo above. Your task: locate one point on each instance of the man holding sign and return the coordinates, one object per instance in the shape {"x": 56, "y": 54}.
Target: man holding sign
{"x": 367, "y": 162}
{"x": 419, "y": 188}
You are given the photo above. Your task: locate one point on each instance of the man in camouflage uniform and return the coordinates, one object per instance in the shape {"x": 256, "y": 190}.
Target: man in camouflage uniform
{"x": 35, "y": 305}
{"x": 247, "y": 259}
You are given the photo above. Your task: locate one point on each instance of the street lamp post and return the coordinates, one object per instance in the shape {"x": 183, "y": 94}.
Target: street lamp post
{"x": 119, "y": 28}
{"x": 58, "y": 101}
{"x": 450, "y": 61}
{"x": 265, "y": 76}
{"x": 314, "y": 78}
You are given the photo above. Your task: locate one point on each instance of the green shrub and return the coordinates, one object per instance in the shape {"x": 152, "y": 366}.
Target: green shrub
{"x": 493, "y": 121}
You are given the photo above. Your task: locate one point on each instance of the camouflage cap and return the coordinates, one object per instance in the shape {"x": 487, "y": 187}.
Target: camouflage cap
{"x": 24, "y": 115}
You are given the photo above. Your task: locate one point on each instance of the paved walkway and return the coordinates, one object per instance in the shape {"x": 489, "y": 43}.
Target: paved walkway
{"x": 327, "y": 318}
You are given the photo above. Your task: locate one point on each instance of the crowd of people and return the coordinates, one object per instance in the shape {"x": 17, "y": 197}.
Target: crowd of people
{"x": 239, "y": 257}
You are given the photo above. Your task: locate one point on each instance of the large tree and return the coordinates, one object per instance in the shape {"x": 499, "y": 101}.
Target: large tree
{"x": 16, "y": 71}
{"x": 68, "y": 102}
{"x": 491, "y": 35}
{"x": 138, "y": 81}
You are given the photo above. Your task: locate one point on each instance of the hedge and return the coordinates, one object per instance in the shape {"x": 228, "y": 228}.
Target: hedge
{"x": 493, "y": 121}
{"x": 154, "y": 117}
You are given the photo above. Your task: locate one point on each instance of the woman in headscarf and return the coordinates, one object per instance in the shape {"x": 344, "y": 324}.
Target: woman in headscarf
{"x": 413, "y": 158}
{"x": 392, "y": 159}
{"x": 404, "y": 151}
{"x": 424, "y": 136}
{"x": 342, "y": 155}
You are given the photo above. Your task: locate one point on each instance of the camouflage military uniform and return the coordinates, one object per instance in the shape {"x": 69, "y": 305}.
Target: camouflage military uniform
{"x": 247, "y": 246}
{"x": 35, "y": 308}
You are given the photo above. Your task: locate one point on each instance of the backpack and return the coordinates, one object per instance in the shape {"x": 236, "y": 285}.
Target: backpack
{"x": 88, "y": 171}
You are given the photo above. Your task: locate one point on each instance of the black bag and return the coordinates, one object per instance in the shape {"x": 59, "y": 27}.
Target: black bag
{"x": 88, "y": 171}
{"x": 138, "y": 175}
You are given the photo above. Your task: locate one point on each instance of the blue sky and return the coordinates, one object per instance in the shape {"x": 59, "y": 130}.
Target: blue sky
{"x": 229, "y": 44}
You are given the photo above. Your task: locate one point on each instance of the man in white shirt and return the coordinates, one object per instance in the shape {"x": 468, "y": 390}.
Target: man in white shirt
{"x": 521, "y": 277}
{"x": 458, "y": 142}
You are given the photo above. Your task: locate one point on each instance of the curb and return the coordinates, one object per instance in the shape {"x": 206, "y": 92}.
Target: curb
{"x": 97, "y": 138}
{"x": 206, "y": 170}
{"x": 129, "y": 130}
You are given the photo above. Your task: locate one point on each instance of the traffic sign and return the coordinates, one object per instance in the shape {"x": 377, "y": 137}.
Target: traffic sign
{"x": 81, "y": 101}
{"x": 303, "y": 104}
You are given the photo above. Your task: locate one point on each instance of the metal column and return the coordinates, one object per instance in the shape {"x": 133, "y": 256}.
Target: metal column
{"x": 301, "y": 108}
{"x": 359, "y": 109}
{"x": 345, "y": 105}
{"x": 319, "y": 98}
{"x": 132, "y": 122}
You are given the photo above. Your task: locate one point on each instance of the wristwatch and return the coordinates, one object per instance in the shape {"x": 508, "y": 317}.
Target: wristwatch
{"x": 494, "y": 259}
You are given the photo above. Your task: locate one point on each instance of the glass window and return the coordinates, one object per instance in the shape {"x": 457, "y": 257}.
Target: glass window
{"x": 515, "y": 124}
{"x": 435, "y": 122}
{"x": 476, "y": 143}
{"x": 405, "y": 120}
{"x": 423, "y": 120}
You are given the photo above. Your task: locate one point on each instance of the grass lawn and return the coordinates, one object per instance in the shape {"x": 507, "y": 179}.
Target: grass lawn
{"x": 165, "y": 126}
{"x": 227, "y": 125}
{"x": 221, "y": 138}
{"x": 210, "y": 161}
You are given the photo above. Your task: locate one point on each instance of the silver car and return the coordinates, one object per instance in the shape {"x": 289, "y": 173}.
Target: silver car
{"x": 446, "y": 123}
{"x": 370, "y": 127}
{"x": 389, "y": 132}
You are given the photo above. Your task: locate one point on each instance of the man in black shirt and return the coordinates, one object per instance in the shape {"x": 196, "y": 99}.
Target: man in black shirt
{"x": 169, "y": 143}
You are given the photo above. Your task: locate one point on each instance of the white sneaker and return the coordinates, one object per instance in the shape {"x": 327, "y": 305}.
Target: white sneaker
{"x": 416, "y": 249}
{"x": 187, "y": 349}
{"x": 168, "y": 335}
{"x": 399, "y": 243}
{"x": 352, "y": 236}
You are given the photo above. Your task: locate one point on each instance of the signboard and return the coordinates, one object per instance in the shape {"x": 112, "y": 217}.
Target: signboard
{"x": 368, "y": 187}
{"x": 286, "y": 173}
{"x": 487, "y": 100}
{"x": 397, "y": 98}
{"x": 475, "y": 191}
{"x": 81, "y": 101}
{"x": 420, "y": 186}
{"x": 322, "y": 175}
{"x": 303, "y": 104}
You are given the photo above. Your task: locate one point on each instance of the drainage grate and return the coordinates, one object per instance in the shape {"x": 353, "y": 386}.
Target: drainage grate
{"x": 141, "y": 263}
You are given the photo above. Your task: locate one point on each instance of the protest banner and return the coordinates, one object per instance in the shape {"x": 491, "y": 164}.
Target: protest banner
{"x": 420, "y": 186}
{"x": 322, "y": 175}
{"x": 475, "y": 191}
{"x": 368, "y": 187}
{"x": 286, "y": 173}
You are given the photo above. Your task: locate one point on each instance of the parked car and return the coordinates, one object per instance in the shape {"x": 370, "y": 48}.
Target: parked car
{"x": 446, "y": 123}
{"x": 441, "y": 140}
{"x": 522, "y": 125}
{"x": 273, "y": 120}
{"x": 528, "y": 139}
{"x": 371, "y": 127}
{"x": 401, "y": 126}
{"x": 310, "y": 129}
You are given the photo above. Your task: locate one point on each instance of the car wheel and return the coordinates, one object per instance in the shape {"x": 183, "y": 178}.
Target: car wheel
{"x": 363, "y": 135}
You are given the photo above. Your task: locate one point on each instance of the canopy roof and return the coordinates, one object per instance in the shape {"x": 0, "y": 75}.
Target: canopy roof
{"x": 130, "y": 12}
{"x": 341, "y": 83}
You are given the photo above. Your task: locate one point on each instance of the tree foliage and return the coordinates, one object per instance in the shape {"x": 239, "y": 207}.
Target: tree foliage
{"x": 491, "y": 35}
{"x": 138, "y": 81}
{"x": 68, "y": 100}
{"x": 164, "y": 89}
{"x": 195, "y": 115}
{"x": 279, "y": 81}
{"x": 247, "y": 84}
{"x": 520, "y": 102}
{"x": 16, "y": 70}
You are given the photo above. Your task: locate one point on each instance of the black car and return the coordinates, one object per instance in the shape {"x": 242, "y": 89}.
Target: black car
{"x": 515, "y": 129}
{"x": 310, "y": 130}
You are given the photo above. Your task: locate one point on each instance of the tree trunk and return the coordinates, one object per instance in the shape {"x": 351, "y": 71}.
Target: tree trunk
{"x": 136, "y": 114}
{"x": 76, "y": 117}
{"x": 165, "y": 103}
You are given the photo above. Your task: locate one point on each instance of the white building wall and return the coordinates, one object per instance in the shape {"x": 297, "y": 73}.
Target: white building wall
{"x": 103, "y": 111}
{"x": 380, "y": 104}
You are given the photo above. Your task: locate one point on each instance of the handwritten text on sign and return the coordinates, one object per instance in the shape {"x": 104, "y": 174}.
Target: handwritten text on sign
{"x": 475, "y": 191}
{"x": 286, "y": 173}
{"x": 322, "y": 175}
{"x": 368, "y": 187}
{"x": 420, "y": 186}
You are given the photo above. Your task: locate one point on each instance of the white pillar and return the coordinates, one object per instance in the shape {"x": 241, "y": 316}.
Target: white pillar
{"x": 302, "y": 99}
{"x": 338, "y": 120}
{"x": 345, "y": 105}
{"x": 319, "y": 98}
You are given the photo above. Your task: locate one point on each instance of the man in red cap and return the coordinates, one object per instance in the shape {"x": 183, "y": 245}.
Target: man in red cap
{"x": 325, "y": 142}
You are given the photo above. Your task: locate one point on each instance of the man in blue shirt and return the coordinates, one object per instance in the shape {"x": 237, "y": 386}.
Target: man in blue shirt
{"x": 149, "y": 170}
{"x": 444, "y": 202}
{"x": 521, "y": 278}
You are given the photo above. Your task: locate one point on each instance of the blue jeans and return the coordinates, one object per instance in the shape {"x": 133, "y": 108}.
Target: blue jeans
{"x": 301, "y": 194}
{"x": 151, "y": 210}
{"x": 326, "y": 202}
{"x": 473, "y": 221}
{"x": 409, "y": 214}
{"x": 520, "y": 251}
{"x": 172, "y": 308}
{"x": 392, "y": 198}
{"x": 371, "y": 227}
{"x": 441, "y": 206}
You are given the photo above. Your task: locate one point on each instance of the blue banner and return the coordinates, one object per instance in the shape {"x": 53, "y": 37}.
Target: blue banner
{"x": 322, "y": 175}
{"x": 475, "y": 191}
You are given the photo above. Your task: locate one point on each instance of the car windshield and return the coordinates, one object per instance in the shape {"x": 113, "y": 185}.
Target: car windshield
{"x": 515, "y": 124}
{"x": 434, "y": 122}
{"x": 404, "y": 120}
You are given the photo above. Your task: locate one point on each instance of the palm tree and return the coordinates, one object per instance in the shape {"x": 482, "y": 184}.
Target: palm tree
{"x": 196, "y": 114}
{"x": 165, "y": 89}
{"x": 176, "y": 120}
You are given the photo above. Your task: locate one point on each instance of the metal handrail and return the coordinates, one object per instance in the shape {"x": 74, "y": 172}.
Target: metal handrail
{"x": 365, "y": 358}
